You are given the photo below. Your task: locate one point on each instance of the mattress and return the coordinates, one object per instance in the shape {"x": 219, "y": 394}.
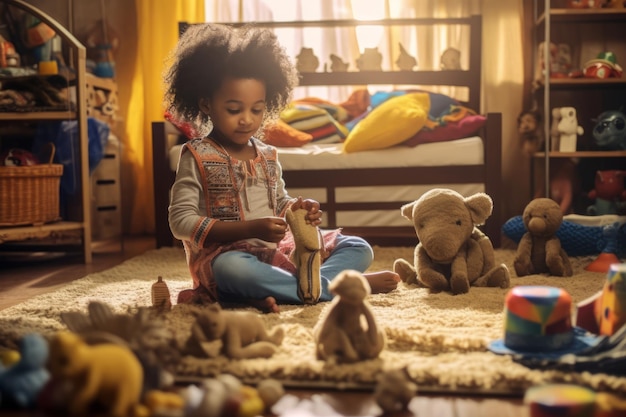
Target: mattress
{"x": 466, "y": 151}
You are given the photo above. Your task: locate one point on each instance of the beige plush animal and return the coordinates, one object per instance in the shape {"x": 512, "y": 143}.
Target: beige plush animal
{"x": 237, "y": 334}
{"x": 539, "y": 250}
{"x": 107, "y": 375}
{"x": 307, "y": 256}
{"x": 348, "y": 332}
{"x": 452, "y": 253}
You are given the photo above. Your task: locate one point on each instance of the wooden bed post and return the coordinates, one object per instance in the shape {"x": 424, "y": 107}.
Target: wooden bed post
{"x": 493, "y": 175}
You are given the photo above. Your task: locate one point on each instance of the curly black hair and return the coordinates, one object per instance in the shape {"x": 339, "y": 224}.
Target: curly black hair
{"x": 207, "y": 53}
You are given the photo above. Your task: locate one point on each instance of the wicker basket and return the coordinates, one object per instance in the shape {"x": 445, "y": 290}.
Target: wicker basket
{"x": 29, "y": 194}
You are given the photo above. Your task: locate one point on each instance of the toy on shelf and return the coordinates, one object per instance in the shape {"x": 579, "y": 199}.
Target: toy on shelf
{"x": 337, "y": 64}
{"x": 22, "y": 381}
{"x": 568, "y": 129}
{"x": 405, "y": 61}
{"x": 370, "y": 60}
{"x": 450, "y": 59}
{"x": 610, "y": 130}
{"x": 539, "y": 250}
{"x": 603, "y": 66}
{"x": 348, "y": 332}
{"x": 530, "y": 131}
{"x": 452, "y": 253}
{"x": 585, "y": 4}
{"x": 609, "y": 193}
{"x": 236, "y": 334}
{"x": 306, "y": 61}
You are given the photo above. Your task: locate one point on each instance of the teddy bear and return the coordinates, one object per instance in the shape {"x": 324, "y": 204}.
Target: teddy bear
{"x": 539, "y": 250}
{"x": 348, "y": 332}
{"x": 238, "y": 334}
{"x": 107, "y": 374}
{"x": 452, "y": 253}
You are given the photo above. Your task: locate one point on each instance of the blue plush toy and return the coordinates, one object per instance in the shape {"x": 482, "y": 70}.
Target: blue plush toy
{"x": 21, "y": 383}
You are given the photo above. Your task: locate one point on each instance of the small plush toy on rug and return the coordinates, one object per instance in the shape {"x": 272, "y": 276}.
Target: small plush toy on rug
{"x": 237, "y": 334}
{"x": 349, "y": 333}
{"x": 452, "y": 253}
{"x": 539, "y": 250}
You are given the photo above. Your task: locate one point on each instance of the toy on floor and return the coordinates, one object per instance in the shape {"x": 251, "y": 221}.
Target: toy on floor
{"x": 605, "y": 312}
{"x": 144, "y": 332}
{"x": 107, "y": 375}
{"x": 452, "y": 253}
{"x": 236, "y": 334}
{"x": 394, "y": 391}
{"x": 604, "y": 236}
{"x": 538, "y": 324}
{"x": 609, "y": 193}
{"x": 226, "y": 396}
{"x": 610, "y": 130}
{"x": 21, "y": 382}
{"x": 161, "y": 298}
{"x": 348, "y": 332}
{"x": 307, "y": 256}
{"x": 539, "y": 251}
{"x": 568, "y": 129}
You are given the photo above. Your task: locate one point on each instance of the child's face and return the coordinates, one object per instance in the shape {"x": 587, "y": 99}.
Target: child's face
{"x": 236, "y": 109}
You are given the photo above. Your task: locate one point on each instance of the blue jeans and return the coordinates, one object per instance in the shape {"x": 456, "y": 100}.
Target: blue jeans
{"x": 240, "y": 275}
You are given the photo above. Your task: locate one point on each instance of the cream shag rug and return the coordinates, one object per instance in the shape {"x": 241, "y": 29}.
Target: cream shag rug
{"x": 441, "y": 339}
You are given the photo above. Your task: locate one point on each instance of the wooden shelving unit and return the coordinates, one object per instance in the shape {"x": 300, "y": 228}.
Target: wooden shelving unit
{"x": 66, "y": 234}
{"x": 588, "y": 96}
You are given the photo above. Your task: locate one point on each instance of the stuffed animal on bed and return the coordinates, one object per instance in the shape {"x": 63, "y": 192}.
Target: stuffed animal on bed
{"x": 540, "y": 249}
{"x": 452, "y": 253}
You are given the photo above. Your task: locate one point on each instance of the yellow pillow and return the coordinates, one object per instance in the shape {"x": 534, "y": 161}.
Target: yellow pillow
{"x": 391, "y": 123}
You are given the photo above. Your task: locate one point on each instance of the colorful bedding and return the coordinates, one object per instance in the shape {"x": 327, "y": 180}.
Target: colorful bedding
{"x": 375, "y": 121}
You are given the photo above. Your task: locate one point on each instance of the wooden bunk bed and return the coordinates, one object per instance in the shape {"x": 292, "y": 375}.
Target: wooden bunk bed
{"x": 486, "y": 172}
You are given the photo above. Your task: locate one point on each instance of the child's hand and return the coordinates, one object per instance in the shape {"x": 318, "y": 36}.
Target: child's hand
{"x": 270, "y": 229}
{"x": 314, "y": 214}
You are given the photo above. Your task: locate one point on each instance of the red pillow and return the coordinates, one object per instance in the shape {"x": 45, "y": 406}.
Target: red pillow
{"x": 465, "y": 127}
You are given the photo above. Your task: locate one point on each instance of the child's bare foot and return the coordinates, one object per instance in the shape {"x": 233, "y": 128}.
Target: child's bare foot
{"x": 266, "y": 305}
{"x": 382, "y": 281}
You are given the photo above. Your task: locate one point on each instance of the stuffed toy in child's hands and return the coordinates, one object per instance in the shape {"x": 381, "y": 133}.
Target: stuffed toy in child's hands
{"x": 539, "y": 250}
{"x": 452, "y": 254}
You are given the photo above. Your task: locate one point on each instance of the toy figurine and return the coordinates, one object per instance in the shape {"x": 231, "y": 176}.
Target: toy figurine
{"x": 568, "y": 129}
{"x": 610, "y": 130}
{"x": 21, "y": 382}
{"x": 107, "y": 375}
{"x": 306, "y": 61}
{"x": 603, "y": 66}
{"x": 337, "y": 64}
{"x": 609, "y": 193}
{"x": 405, "y": 61}
{"x": 370, "y": 60}
{"x": 348, "y": 333}
{"x": 236, "y": 334}
{"x": 451, "y": 59}
{"x": 530, "y": 130}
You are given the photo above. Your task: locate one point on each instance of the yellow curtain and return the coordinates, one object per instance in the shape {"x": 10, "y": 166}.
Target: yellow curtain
{"x": 157, "y": 27}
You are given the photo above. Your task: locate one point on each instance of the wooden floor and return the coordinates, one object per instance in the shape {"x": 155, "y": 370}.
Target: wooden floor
{"x": 23, "y": 276}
